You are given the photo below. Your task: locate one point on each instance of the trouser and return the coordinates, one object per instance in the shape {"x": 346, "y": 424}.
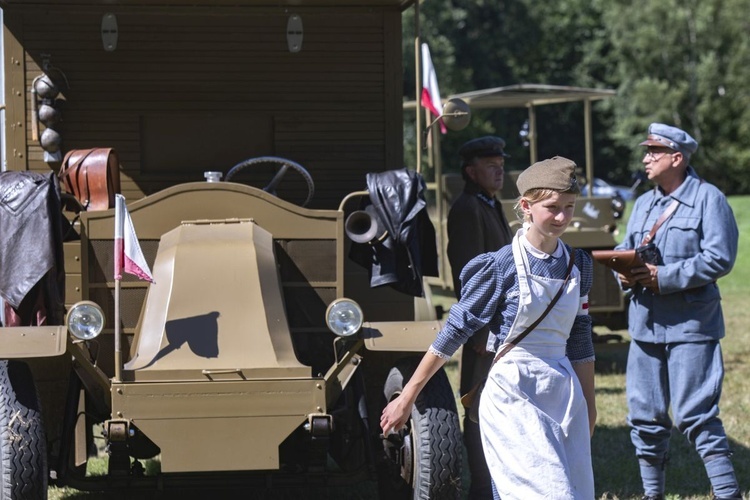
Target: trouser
{"x": 688, "y": 377}
{"x": 475, "y": 368}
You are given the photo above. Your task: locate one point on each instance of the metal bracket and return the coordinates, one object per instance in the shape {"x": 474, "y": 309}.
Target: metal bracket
{"x": 109, "y": 32}
{"x": 294, "y": 33}
{"x": 319, "y": 424}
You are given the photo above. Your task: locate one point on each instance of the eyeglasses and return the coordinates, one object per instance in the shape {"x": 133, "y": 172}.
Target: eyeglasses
{"x": 651, "y": 155}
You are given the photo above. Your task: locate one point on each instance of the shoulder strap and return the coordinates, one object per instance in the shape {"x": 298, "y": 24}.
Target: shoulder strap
{"x": 507, "y": 347}
{"x": 661, "y": 220}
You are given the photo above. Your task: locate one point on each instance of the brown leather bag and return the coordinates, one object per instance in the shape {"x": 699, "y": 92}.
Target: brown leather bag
{"x": 621, "y": 261}
{"x": 92, "y": 176}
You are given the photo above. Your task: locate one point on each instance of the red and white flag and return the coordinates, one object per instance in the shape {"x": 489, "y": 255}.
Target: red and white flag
{"x": 430, "y": 90}
{"x": 128, "y": 254}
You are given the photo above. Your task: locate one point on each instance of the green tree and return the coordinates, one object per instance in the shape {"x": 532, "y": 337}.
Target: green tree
{"x": 684, "y": 63}
{"x": 492, "y": 43}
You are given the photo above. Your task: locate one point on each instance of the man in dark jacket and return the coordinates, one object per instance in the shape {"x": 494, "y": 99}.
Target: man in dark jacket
{"x": 476, "y": 225}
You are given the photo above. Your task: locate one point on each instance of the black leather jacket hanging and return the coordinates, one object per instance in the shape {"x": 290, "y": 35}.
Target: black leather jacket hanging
{"x": 409, "y": 252}
{"x": 31, "y": 252}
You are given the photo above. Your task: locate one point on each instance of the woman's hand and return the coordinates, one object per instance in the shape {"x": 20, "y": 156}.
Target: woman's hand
{"x": 585, "y": 373}
{"x": 592, "y": 420}
{"x": 395, "y": 414}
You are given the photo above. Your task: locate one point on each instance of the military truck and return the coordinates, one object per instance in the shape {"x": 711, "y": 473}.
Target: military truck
{"x": 260, "y": 355}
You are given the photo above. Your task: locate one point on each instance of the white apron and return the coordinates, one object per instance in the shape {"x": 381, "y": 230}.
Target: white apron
{"x": 533, "y": 415}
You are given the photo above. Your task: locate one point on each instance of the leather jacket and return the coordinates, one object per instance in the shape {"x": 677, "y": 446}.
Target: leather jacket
{"x": 31, "y": 252}
{"x": 409, "y": 251}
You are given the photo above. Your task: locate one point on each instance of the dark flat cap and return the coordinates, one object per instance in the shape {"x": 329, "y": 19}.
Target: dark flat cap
{"x": 483, "y": 147}
{"x": 556, "y": 173}
{"x": 666, "y": 136}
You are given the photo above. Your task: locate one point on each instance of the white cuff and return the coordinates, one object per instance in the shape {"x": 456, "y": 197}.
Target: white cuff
{"x": 438, "y": 353}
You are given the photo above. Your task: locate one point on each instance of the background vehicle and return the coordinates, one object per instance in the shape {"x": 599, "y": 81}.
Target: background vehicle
{"x": 600, "y": 187}
{"x": 596, "y": 218}
{"x": 226, "y": 369}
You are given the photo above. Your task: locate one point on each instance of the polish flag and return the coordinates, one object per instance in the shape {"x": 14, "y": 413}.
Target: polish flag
{"x": 128, "y": 254}
{"x": 430, "y": 90}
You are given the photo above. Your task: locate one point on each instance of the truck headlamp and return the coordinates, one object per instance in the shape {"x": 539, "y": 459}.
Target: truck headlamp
{"x": 85, "y": 320}
{"x": 344, "y": 317}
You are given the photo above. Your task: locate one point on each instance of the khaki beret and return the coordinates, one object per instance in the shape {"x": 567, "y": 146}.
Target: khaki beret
{"x": 556, "y": 173}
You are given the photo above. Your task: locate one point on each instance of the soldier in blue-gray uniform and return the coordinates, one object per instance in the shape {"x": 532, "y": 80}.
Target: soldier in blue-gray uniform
{"x": 675, "y": 316}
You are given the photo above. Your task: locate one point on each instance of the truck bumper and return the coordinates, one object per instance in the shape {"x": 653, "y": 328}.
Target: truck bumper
{"x": 246, "y": 420}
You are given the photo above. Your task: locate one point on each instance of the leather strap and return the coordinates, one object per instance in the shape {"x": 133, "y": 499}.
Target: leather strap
{"x": 661, "y": 220}
{"x": 100, "y": 184}
{"x": 510, "y": 345}
{"x": 68, "y": 169}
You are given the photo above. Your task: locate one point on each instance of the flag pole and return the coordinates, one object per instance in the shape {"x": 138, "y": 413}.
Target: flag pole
{"x": 128, "y": 258}
{"x": 119, "y": 256}
{"x": 440, "y": 205}
{"x": 118, "y": 334}
{"x": 418, "y": 84}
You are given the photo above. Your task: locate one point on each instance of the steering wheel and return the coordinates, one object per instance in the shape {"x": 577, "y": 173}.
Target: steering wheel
{"x": 284, "y": 166}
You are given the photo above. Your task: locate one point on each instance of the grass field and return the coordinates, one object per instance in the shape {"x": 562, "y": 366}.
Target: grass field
{"x": 615, "y": 466}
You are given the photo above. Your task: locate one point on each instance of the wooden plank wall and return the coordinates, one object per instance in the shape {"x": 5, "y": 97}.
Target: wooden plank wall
{"x": 190, "y": 90}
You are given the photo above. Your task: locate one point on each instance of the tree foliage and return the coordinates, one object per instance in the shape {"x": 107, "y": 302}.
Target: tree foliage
{"x": 685, "y": 63}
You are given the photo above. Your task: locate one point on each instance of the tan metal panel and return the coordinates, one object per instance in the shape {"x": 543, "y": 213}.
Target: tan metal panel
{"x": 238, "y": 398}
{"x": 72, "y": 251}
{"x": 32, "y": 341}
{"x": 400, "y": 335}
{"x": 73, "y": 288}
{"x": 16, "y": 94}
{"x": 165, "y": 210}
{"x": 246, "y": 443}
{"x": 201, "y": 269}
{"x": 255, "y": 417}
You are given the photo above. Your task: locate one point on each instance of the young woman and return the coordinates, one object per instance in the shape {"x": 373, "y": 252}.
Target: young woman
{"x": 537, "y": 411}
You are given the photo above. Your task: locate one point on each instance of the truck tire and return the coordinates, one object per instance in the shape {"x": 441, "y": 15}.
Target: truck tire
{"x": 423, "y": 461}
{"x": 23, "y": 448}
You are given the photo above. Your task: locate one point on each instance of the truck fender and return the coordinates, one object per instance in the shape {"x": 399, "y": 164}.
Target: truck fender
{"x": 32, "y": 341}
{"x": 400, "y": 336}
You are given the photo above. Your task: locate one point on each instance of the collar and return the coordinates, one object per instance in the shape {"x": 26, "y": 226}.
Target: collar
{"x": 473, "y": 189}
{"x": 688, "y": 190}
{"x": 535, "y": 252}
{"x": 485, "y": 198}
